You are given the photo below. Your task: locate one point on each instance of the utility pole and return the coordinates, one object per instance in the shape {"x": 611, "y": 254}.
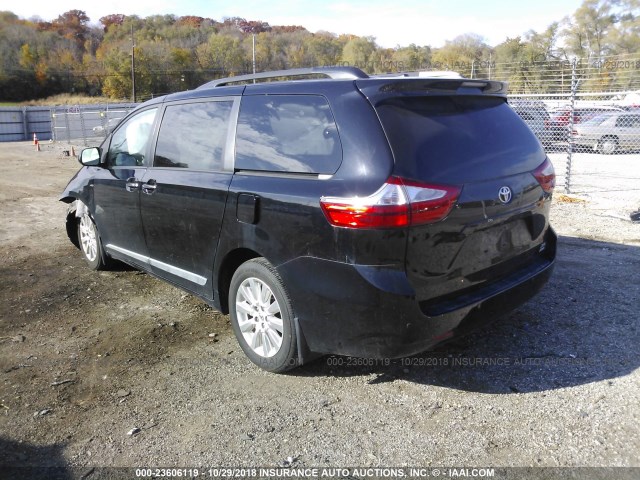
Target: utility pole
{"x": 133, "y": 66}
{"x": 254, "y": 53}
{"x": 489, "y": 65}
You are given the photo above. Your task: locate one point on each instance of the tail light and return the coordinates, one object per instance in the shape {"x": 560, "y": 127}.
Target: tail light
{"x": 398, "y": 203}
{"x": 546, "y": 176}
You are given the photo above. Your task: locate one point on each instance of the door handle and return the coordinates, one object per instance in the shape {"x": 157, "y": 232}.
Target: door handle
{"x": 149, "y": 187}
{"x": 132, "y": 184}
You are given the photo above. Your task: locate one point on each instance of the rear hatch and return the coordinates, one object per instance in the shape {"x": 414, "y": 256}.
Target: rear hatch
{"x": 464, "y": 135}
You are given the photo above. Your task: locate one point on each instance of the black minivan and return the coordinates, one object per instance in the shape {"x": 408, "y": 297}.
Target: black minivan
{"x": 328, "y": 212}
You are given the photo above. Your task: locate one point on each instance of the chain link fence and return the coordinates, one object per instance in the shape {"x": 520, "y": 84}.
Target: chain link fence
{"x": 582, "y": 123}
{"x": 88, "y": 124}
{"x": 580, "y": 107}
{"x": 586, "y": 109}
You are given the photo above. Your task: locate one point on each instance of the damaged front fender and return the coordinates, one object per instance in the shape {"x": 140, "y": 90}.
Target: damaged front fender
{"x": 74, "y": 212}
{"x": 77, "y": 194}
{"x": 78, "y": 187}
{"x": 72, "y": 223}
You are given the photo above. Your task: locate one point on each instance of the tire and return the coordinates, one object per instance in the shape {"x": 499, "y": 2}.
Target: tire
{"x": 262, "y": 316}
{"x": 608, "y": 145}
{"x": 90, "y": 244}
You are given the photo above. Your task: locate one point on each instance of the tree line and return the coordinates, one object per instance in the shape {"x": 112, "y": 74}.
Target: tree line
{"x": 69, "y": 54}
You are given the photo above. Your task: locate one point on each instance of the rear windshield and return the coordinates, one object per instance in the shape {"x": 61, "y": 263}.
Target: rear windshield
{"x": 458, "y": 138}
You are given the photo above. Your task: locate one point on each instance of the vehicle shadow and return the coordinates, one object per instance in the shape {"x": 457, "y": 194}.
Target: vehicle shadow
{"x": 581, "y": 328}
{"x": 118, "y": 266}
{"x": 25, "y": 460}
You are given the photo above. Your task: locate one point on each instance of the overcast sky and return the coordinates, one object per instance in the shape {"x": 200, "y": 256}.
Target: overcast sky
{"x": 427, "y": 22}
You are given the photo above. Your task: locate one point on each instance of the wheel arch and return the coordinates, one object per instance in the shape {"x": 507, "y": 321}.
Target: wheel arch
{"x": 73, "y": 216}
{"x": 229, "y": 265}
{"x": 71, "y": 223}
{"x": 611, "y": 136}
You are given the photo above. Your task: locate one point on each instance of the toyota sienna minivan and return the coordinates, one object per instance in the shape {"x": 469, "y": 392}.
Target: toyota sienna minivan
{"x": 326, "y": 211}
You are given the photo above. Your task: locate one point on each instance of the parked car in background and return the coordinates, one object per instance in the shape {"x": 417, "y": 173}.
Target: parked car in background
{"x": 108, "y": 128}
{"x": 350, "y": 215}
{"x": 557, "y": 127}
{"x": 609, "y": 133}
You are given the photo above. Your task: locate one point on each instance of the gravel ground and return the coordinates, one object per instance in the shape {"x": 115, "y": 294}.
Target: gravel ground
{"x": 88, "y": 357}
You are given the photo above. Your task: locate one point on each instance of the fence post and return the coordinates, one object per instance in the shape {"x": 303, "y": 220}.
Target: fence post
{"x": 574, "y": 89}
{"x": 52, "y": 114}
{"x": 82, "y": 125}
{"x": 25, "y": 123}
{"x": 67, "y": 125}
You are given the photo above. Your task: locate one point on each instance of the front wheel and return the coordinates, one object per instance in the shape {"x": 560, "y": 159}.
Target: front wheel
{"x": 262, "y": 316}
{"x": 90, "y": 244}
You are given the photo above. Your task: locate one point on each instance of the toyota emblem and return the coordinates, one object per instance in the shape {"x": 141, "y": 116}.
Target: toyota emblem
{"x": 504, "y": 195}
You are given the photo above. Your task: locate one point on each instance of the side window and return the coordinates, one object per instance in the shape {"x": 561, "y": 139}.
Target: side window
{"x": 628, "y": 121}
{"x": 129, "y": 142}
{"x": 193, "y": 135}
{"x": 287, "y": 133}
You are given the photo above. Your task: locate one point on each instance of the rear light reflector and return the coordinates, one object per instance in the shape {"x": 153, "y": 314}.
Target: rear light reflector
{"x": 398, "y": 203}
{"x": 546, "y": 176}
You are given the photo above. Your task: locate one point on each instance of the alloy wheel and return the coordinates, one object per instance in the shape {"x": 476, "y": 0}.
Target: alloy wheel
{"x": 88, "y": 238}
{"x": 259, "y": 317}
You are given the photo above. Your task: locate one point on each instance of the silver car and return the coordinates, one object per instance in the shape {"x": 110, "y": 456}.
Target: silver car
{"x": 609, "y": 133}
{"x": 105, "y": 130}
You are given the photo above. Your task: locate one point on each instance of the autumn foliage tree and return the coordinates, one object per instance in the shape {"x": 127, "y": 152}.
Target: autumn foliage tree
{"x": 110, "y": 20}
{"x": 70, "y": 54}
{"x": 72, "y": 25}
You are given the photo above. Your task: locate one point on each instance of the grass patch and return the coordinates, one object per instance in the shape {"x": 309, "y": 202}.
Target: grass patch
{"x": 563, "y": 198}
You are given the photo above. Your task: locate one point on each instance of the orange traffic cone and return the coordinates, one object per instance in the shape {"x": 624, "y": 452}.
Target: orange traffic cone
{"x": 35, "y": 139}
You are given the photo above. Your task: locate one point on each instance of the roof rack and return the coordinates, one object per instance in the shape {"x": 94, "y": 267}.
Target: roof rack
{"x": 335, "y": 73}
{"x": 446, "y": 74}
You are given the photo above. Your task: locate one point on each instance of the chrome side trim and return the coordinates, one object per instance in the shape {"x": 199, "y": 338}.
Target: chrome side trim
{"x": 128, "y": 253}
{"x": 278, "y": 174}
{"x": 179, "y": 272}
{"x": 192, "y": 277}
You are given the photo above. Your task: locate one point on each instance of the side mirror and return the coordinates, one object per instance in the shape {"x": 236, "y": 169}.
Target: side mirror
{"x": 90, "y": 157}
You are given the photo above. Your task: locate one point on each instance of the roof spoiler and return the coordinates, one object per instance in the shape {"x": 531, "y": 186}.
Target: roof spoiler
{"x": 437, "y": 86}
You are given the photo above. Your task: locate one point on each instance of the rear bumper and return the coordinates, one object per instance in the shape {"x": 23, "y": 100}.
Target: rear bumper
{"x": 372, "y": 312}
